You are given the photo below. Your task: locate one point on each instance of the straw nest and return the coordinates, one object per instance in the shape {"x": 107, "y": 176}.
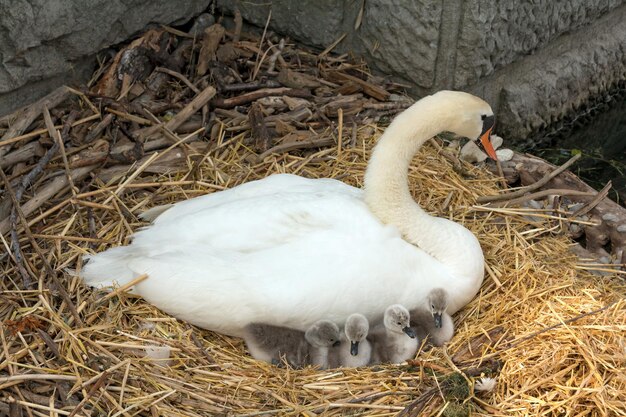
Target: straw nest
{"x": 550, "y": 333}
{"x": 526, "y": 328}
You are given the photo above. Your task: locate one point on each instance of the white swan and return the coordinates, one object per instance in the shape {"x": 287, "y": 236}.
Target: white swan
{"x": 288, "y": 251}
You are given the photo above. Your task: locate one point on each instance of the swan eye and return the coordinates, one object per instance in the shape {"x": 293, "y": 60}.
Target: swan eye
{"x": 432, "y": 306}
{"x": 399, "y": 323}
{"x": 483, "y": 117}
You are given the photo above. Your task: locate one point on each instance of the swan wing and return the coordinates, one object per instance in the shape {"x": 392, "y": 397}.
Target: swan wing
{"x": 326, "y": 273}
{"x": 271, "y": 185}
{"x": 258, "y": 217}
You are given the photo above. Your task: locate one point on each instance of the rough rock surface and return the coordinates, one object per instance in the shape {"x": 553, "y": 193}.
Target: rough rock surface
{"x": 44, "y": 43}
{"x": 533, "y": 61}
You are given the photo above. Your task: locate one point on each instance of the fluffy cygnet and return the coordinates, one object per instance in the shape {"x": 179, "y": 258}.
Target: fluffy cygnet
{"x": 355, "y": 350}
{"x": 322, "y": 336}
{"x": 432, "y": 321}
{"x": 393, "y": 341}
{"x": 272, "y": 343}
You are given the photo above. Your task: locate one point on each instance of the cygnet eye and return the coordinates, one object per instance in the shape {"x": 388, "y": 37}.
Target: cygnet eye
{"x": 399, "y": 323}
{"x": 432, "y": 306}
{"x": 483, "y": 117}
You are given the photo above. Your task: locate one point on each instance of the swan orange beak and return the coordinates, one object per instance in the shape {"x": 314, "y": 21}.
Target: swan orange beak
{"x": 484, "y": 140}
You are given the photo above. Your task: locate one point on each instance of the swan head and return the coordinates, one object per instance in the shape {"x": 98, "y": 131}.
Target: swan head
{"x": 356, "y": 330}
{"x": 323, "y": 333}
{"x": 398, "y": 319}
{"x": 468, "y": 116}
{"x": 438, "y": 303}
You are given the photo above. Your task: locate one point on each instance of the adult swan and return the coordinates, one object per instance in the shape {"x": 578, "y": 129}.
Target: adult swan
{"x": 287, "y": 250}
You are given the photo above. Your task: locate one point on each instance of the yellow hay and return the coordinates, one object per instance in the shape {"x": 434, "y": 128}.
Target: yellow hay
{"x": 527, "y": 327}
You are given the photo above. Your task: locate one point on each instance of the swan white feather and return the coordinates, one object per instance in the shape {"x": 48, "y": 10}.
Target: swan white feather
{"x": 288, "y": 251}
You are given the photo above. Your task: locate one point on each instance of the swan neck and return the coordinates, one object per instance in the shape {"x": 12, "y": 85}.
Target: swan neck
{"x": 387, "y": 190}
{"x": 389, "y": 198}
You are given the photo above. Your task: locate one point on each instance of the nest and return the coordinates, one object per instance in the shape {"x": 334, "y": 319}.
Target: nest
{"x": 549, "y": 332}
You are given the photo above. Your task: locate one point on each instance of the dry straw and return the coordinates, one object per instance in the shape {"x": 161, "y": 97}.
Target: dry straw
{"x": 551, "y": 333}
{"x": 527, "y": 327}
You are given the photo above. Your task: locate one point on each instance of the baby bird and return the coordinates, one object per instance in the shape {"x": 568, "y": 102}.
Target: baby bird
{"x": 271, "y": 343}
{"x": 355, "y": 350}
{"x": 322, "y": 336}
{"x": 432, "y": 321}
{"x": 393, "y": 341}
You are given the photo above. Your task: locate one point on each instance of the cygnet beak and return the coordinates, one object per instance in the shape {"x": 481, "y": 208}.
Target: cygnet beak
{"x": 354, "y": 348}
{"x": 409, "y": 332}
{"x": 437, "y": 317}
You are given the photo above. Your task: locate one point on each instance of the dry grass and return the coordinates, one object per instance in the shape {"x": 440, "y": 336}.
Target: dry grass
{"x": 516, "y": 330}
{"x": 550, "y": 332}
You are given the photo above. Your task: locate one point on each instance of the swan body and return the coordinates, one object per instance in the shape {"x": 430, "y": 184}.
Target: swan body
{"x": 288, "y": 251}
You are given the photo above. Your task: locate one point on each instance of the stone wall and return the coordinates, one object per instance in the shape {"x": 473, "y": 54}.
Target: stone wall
{"x": 45, "y": 43}
{"x": 533, "y": 61}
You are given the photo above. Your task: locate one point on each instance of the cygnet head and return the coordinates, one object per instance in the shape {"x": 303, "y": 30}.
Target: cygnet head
{"x": 397, "y": 319}
{"x": 356, "y": 330}
{"x": 323, "y": 333}
{"x": 473, "y": 117}
{"x": 438, "y": 303}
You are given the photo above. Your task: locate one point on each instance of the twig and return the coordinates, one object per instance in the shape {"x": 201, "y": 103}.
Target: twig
{"x": 501, "y": 175}
{"x": 15, "y": 244}
{"x": 21, "y": 154}
{"x": 258, "y": 128}
{"x": 38, "y": 169}
{"x": 101, "y": 380}
{"x": 210, "y": 42}
{"x": 590, "y": 205}
{"x": 54, "y": 135}
{"x": 415, "y": 407}
{"x": 354, "y": 135}
{"x": 532, "y": 187}
{"x": 272, "y": 61}
{"x": 37, "y": 377}
{"x": 45, "y": 193}
{"x": 198, "y": 344}
{"x": 51, "y": 344}
{"x": 332, "y": 46}
{"x": 544, "y": 193}
{"x": 38, "y": 132}
{"x": 339, "y": 130}
{"x": 229, "y": 103}
{"x": 199, "y": 100}
{"x": 388, "y": 105}
{"x": 124, "y": 287}
{"x": 291, "y": 146}
{"x": 257, "y": 64}
{"x": 51, "y": 272}
{"x": 363, "y": 399}
{"x": 180, "y": 77}
{"x": 251, "y": 86}
{"x": 95, "y": 132}
{"x": 238, "y": 25}
{"x": 29, "y": 114}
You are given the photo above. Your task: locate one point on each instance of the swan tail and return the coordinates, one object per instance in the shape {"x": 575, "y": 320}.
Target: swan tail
{"x": 109, "y": 268}
{"x": 151, "y": 214}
